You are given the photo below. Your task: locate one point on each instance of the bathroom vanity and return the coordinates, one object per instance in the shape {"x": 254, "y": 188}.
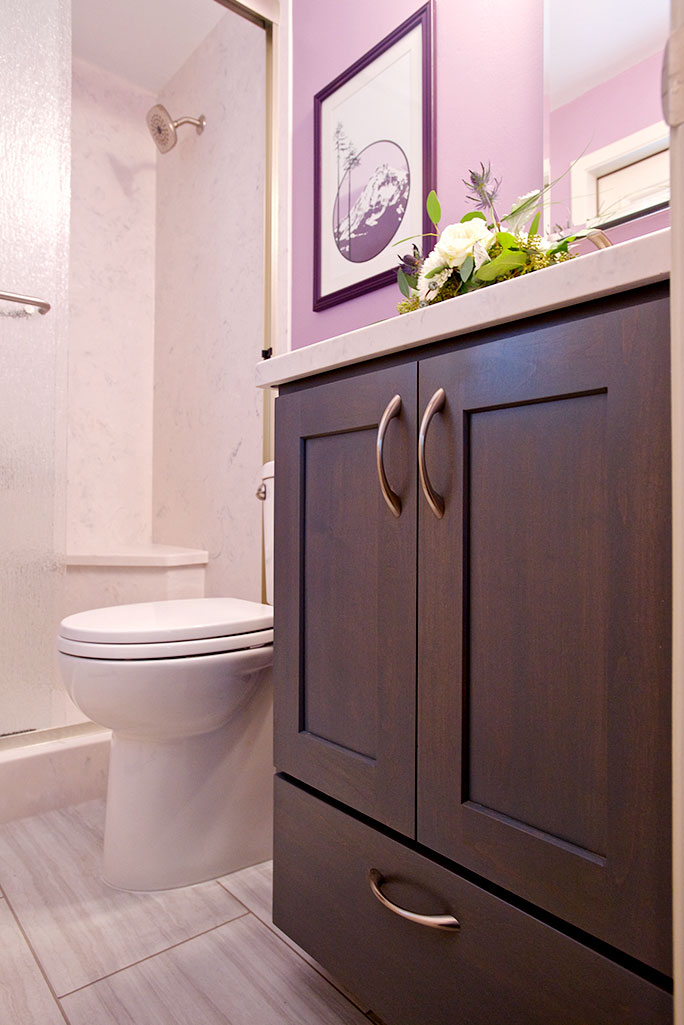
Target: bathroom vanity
{"x": 472, "y": 652}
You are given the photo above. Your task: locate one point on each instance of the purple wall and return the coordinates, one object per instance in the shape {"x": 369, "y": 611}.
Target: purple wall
{"x": 624, "y": 104}
{"x": 488, "y": 107}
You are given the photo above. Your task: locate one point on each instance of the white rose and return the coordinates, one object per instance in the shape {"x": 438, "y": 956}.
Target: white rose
{"x": 458, "y": 240}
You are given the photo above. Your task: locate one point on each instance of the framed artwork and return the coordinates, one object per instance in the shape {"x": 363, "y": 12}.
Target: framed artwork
{"x": 373, "y": 163}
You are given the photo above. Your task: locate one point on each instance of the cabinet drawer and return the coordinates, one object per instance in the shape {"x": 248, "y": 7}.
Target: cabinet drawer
{"x": 501, "y": 965}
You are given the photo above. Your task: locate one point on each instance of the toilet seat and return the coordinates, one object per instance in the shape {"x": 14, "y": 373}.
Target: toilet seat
{"x": 167, "y": 629}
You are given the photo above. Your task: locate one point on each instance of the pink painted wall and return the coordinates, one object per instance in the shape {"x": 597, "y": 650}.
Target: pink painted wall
{"x": 488, "y": 103}
{"x": 624, "y": 104}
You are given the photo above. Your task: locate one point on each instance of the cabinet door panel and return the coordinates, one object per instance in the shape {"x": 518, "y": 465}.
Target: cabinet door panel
{"x": 544, "y": 634}
{"x": 537, "y": 538}
{"x": 345, "y": 594}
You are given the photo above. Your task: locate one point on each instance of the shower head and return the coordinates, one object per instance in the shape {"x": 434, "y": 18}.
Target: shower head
{"x": 163, "y": 128}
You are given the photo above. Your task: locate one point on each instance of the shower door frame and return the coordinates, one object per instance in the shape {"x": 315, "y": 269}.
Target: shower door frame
{"x": 275, "y": 16}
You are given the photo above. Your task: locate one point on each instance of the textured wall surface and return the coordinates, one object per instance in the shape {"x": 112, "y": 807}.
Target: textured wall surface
{"x": 34, "y": 225}
{"x": 488, "y": 107}
{"x": 111, "y": 300}
{"x": 209, "y": 310}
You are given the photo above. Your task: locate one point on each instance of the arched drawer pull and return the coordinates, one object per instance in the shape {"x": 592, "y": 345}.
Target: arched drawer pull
{"x": 435, "y": 501}
{"x": 431, "y": 921}
{"x": 393, "y": 409}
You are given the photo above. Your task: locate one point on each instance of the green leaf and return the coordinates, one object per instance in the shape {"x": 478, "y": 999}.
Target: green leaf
{"x": 506, "y": 240}
{"x": 467, "y": 267}
{"x": 433, "y": 234}
{"x": 561, "y": 247}
{"x": 436, "y": 270}
{"x": 403, "y": 284}
{"x": 471, "y": 285}
{"x": 509, "y": 260}
{"x": 534, "y": 226}
{"x": 434, "y": 210}
{"x": 472, "y": 214}
{"x": 412, "y": 280}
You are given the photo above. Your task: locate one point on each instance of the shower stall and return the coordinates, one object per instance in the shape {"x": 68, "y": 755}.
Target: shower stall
{"x": 115, "y": 401}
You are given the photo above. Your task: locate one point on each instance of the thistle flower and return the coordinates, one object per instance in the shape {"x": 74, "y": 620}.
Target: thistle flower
{"x": 483, "y": 190}
{"x": 410, "y": 264}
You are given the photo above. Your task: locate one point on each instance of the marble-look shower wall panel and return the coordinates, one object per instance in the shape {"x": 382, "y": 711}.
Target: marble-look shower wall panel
{"x": 209, "y": 309}
{"x": 111, "y": 345}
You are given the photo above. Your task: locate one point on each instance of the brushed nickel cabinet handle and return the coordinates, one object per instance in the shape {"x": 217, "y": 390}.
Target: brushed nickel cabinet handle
{"x": 431, "y": 921}
{"x": 435, "y": 501}
{"x": 393, "y": 409}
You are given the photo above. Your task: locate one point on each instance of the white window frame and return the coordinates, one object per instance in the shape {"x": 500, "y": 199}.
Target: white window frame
{"x": 626, "y": 151}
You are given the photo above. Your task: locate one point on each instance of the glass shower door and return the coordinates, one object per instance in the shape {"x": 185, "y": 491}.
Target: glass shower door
{"x": 34, "y": 222}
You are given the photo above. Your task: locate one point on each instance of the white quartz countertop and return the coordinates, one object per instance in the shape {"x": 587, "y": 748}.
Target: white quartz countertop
{"x": 640, "y": 261}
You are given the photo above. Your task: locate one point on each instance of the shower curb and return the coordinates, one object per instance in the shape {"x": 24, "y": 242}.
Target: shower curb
{"x": 42, "y": 776}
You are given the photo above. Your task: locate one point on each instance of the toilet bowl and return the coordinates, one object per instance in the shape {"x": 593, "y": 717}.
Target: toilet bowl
{"x": 185, "y": 687}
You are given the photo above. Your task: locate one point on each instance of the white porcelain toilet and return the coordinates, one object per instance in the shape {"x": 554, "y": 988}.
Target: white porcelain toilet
{"x": 185, "y": 687}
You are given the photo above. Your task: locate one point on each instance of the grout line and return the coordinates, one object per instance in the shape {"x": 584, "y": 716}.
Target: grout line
{"x": 247, "y": 911}
{"x": 36, "y": 959}
{"x": 231, "y": 894}
{"x": 150, "y": 957}
{"x": 297, "y": 950}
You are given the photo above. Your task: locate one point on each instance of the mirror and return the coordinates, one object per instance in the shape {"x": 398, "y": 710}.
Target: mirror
{"x": 605, "y": 142}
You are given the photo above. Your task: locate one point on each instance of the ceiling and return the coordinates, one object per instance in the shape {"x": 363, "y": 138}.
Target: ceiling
{"x": 143, "y": 41}
{"x": 587, "y": 41}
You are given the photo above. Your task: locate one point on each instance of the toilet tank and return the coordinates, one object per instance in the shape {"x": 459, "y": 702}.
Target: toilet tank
{"x": 269, "y": 490}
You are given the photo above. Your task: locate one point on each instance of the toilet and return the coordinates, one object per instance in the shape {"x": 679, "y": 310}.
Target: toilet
{"x": 185, "y": 686}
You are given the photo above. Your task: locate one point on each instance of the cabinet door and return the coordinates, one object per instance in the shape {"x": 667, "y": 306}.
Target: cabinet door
{"x": 544, "y": 619}
{"x": 345, "y": 594}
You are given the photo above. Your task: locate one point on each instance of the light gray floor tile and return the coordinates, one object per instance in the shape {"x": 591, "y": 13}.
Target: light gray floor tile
{"x": 80, "y": 928}
{"x": 24, "y": 995}
{"x": 239, "y": 974}
{"x": 254, "y": 887}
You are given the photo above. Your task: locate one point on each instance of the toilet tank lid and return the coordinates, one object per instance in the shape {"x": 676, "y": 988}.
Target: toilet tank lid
{"x": 176, "y": 619}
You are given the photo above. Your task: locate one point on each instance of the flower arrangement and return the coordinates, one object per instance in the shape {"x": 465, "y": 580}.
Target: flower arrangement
{"x": 477, "y": 251}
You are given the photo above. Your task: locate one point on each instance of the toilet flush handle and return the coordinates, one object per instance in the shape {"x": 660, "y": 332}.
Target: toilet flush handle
{"x": 261, "y": 492}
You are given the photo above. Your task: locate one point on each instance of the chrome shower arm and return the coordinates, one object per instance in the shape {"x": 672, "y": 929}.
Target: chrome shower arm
{"x": 199, "y": 121}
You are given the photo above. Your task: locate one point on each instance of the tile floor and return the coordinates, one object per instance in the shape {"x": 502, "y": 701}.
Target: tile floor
{"x": 74, "y": 950}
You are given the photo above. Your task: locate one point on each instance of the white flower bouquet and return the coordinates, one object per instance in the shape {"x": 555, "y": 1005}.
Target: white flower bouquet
{"x": 478, "y": 251}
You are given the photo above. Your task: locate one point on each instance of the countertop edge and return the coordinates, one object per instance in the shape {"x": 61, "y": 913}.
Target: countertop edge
{"x": 640, "y": 261}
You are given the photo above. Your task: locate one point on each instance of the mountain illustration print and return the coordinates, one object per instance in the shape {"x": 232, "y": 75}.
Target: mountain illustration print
{"x": 372, "y": 193}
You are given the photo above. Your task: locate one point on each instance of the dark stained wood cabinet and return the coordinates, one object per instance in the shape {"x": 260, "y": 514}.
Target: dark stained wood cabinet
{"x": 489, "y": 689}
{"x": 346, "y": 700}
{"x": 503, "y": 966}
